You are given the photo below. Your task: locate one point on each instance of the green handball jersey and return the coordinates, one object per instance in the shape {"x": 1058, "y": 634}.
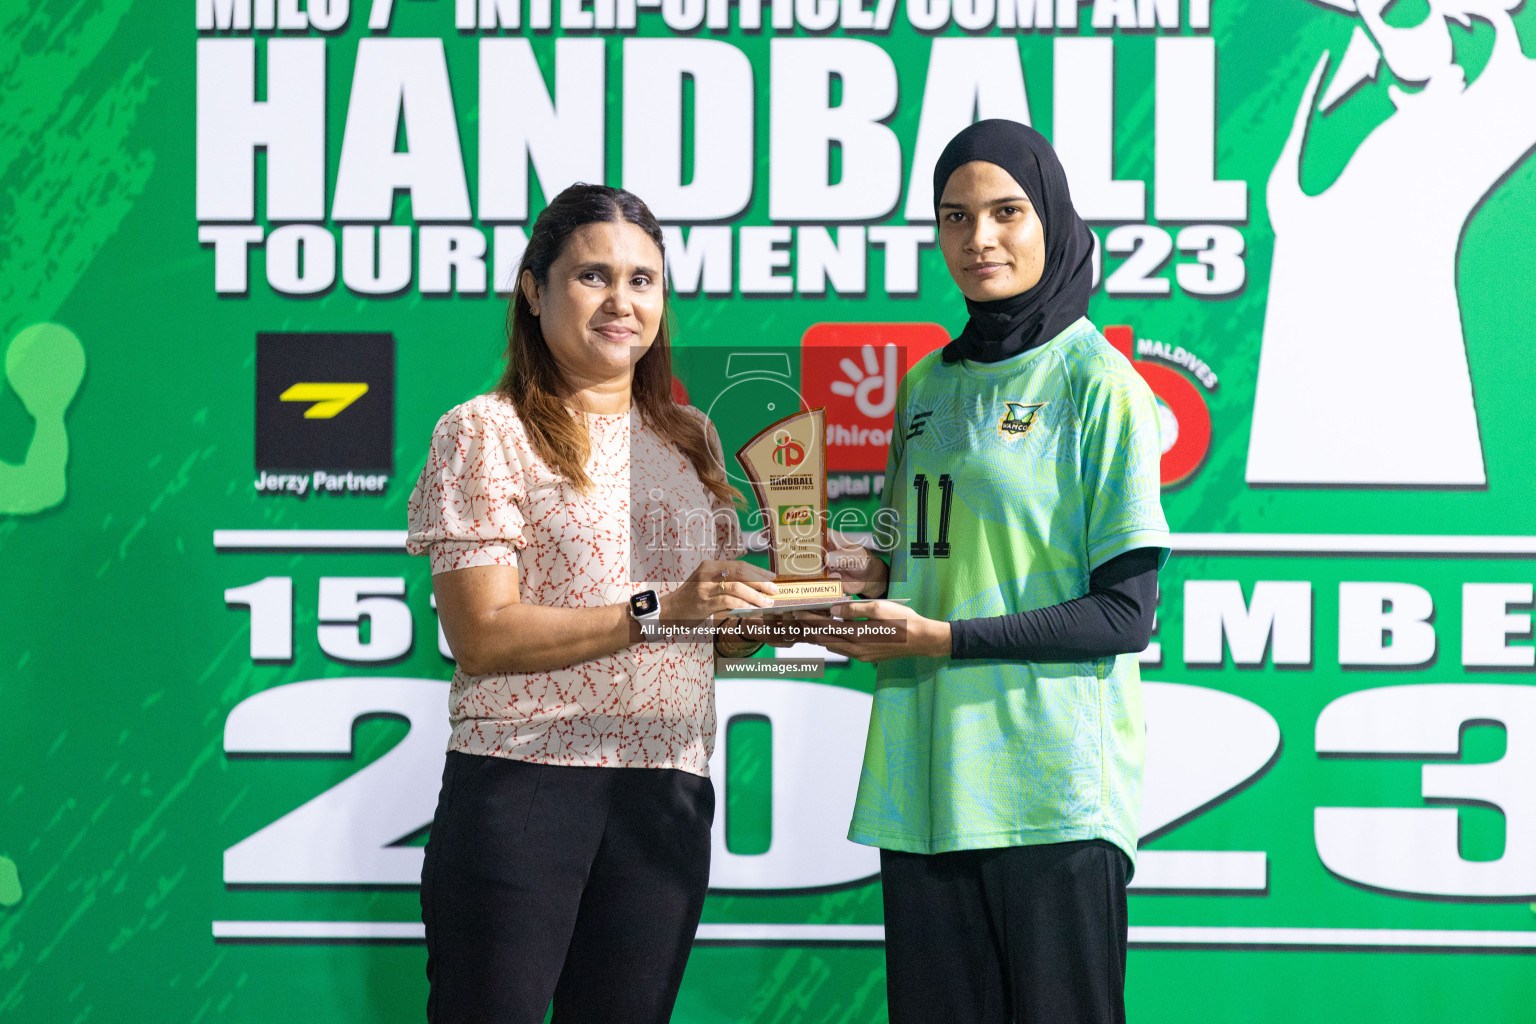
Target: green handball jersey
{"x": 1008, "y": 483}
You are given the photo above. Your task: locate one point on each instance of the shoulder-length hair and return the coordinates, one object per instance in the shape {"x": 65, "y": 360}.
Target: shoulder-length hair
{"x": 533, "y": 382}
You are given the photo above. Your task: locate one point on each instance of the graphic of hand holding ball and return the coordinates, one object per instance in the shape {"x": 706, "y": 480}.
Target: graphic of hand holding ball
{"x": 44, "y": 365}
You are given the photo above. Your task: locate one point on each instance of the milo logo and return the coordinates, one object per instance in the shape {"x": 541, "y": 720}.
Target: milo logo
{"x": 796, "y": 515}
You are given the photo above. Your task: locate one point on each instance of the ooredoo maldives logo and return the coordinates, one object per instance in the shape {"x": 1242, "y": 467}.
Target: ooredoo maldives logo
{"x": 1184, "y": 419}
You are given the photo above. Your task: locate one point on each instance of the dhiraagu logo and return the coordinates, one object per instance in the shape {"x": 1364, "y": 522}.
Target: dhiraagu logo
{"x": 796, "y": 515}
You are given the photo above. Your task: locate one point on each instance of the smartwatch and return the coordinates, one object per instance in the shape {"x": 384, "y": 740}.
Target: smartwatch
{"x": 645, "y": 606}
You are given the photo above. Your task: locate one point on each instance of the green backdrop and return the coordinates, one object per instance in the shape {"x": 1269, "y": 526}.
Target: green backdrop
{"x": 1345, "y": 355}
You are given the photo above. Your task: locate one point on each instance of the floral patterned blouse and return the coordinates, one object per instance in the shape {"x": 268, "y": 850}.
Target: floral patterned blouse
{"x": 486, "y": 498}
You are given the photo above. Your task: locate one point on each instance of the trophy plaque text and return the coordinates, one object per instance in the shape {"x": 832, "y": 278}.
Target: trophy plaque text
{"x": 786, "y": 463}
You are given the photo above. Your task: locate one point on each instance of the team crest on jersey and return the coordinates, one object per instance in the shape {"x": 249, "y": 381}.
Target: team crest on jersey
{"x": 1018, "y": 419}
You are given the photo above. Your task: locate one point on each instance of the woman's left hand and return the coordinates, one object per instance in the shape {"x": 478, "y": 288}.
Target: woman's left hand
{"x": 925, "y": 638}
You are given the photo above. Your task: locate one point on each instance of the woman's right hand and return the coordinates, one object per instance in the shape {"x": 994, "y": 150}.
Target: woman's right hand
{"x": 716, "y": 587}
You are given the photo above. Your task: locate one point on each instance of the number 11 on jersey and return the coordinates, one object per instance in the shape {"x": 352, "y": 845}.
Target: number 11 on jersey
{"x": 940, "y": 548}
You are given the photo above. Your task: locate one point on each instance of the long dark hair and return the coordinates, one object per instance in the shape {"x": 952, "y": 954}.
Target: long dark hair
{"x": 533, "y": 382}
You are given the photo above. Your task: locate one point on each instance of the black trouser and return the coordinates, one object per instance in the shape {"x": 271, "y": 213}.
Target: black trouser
{"x": 1027, "y": 934}
{"x": 581, "y": 885}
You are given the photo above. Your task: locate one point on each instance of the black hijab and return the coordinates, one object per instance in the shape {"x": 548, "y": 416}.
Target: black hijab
{"x": 1006, "y": 327}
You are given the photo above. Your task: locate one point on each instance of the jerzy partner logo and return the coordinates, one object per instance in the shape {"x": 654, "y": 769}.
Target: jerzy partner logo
{"x": 325, "y": 413}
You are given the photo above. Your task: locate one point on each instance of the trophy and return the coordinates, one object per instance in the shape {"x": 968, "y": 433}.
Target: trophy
{"x": 786, "y": 463}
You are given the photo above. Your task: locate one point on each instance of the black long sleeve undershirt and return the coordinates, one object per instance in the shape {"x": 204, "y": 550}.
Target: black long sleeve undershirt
{"x": 1114, "y": 617}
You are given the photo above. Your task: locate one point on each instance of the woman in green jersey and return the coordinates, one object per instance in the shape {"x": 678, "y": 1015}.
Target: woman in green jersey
{"x": 1002, "y": 773}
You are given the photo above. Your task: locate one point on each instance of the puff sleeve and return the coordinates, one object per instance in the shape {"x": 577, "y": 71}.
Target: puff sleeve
{"x": 466, "y": 509}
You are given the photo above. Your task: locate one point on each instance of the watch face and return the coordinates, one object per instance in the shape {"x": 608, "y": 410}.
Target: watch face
{"x": 645, "y": 603}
